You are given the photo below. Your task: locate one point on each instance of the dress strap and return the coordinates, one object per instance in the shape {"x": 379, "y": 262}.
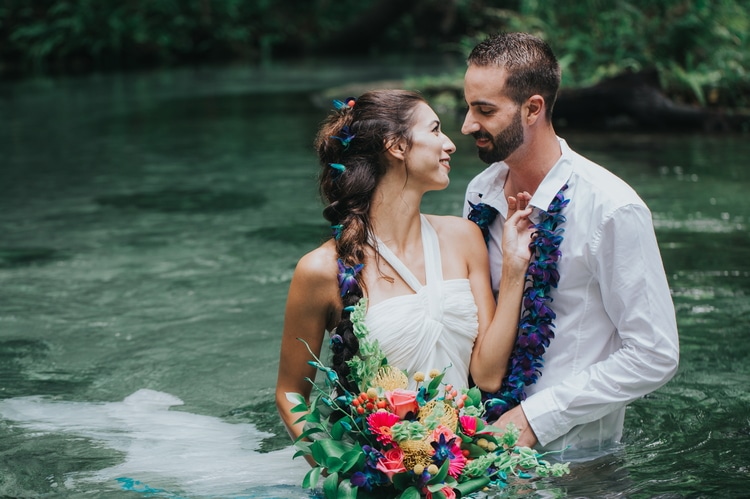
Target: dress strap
{"x": 432, "y": 264}
{"x": 401, "y": 269}
{"x": 432, "y": 261}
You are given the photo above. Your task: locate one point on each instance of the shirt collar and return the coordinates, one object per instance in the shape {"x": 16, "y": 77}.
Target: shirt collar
{"x": 555, "y": 179}
{"x": 545, "y": 193}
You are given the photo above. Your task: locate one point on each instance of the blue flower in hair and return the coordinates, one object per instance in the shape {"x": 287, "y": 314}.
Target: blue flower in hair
{"x": 347, "y": 277}
{"x": 345, "y": 137}
{"x": 344, "y": 104}
{"x": 338, "y": 169}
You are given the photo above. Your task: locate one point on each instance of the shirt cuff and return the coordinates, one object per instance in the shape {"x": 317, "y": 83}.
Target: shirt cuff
{"x": 543, "y": 414}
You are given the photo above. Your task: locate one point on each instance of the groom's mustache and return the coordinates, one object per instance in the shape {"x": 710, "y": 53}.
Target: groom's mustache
{"x": 481, "y": 135}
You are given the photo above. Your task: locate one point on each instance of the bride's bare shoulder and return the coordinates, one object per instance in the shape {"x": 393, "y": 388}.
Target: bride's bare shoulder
{"x": 319, "y": 264}
{"x": 454, "y": 227}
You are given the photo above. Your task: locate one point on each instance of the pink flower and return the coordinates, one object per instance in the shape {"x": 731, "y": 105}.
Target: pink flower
{"x": 448, "y": 492}
{"x": 380, "y": 424}
{"x": 392, "y": 462}
{"x": 442, "y": 430}
{"x": 402, "y": 401}
{"x": 457, "y": 458}
{"x": 468, "y": 425}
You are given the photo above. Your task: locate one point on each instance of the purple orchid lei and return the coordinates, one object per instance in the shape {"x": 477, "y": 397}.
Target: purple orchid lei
{"x": 535, "y": 325}
{"x": 483, "y": 215}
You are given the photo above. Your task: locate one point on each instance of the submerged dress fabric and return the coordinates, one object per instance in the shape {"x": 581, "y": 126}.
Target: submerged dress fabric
{"x": 433, "y": 328}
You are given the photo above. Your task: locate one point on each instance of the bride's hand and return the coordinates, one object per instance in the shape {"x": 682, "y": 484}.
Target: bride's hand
{"x": 517, "y": 232}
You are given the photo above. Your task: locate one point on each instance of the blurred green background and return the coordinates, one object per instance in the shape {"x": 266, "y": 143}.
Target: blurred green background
{"x": 698, "y": 49}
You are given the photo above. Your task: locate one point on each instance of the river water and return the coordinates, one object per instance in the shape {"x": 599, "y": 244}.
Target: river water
{"x": 149, "y": 226}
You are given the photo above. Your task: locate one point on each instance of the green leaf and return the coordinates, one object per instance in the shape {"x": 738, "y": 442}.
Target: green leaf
{"x": 338, "y": 430}
{"x": 474, "y": 450}
{"x": 325, "y": 450}
{"x": 471, "y": 486}
{"x": 309, "y": 431}
{"x": 331, "y": 486}
{"x": 299, "y": 408}
{"x": 474, "y": 397}
{"x": 432, "y": 388}
{"x": 347, "y": 490}
{"x": 300, "y": 419}
{"x": 410, "y": 493}
{"x": 295, "y": 398}
{"x": 335, "y": 448}
{"x": 311, "y": 478}
{"x": 334, "y": 464}
{"x": 438, "y": 493}
{"x": 440, "y": 477}
{"x": 353, "y": 458}
{"x": 403, "y": 481}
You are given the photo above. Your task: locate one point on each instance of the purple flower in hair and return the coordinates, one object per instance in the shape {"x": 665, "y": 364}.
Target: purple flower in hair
{"x": 345, "y": 137}
{"x": 348, "y": 277}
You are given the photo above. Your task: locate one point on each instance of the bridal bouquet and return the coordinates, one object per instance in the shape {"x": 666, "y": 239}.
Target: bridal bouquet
{"x": 389, "y": 441}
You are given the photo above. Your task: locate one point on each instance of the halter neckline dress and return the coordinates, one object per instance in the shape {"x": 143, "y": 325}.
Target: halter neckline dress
{"x": 433, "y": 328}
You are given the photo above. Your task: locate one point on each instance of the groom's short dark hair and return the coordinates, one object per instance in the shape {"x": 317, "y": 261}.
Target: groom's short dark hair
{"x": 530, "y": 63}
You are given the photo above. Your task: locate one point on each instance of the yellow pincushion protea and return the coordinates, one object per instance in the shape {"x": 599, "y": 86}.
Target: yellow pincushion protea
{"x": 389, "y": 379}
{"x": 440, "y": 412}
{"x": 416, "y": 452}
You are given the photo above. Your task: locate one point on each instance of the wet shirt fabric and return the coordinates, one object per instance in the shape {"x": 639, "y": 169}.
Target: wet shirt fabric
{"x": 433, "y": 328}
{"x": 615, "y": 331}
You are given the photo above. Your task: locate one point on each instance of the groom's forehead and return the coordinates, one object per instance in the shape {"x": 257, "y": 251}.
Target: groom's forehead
{"x": 483, "y": 84}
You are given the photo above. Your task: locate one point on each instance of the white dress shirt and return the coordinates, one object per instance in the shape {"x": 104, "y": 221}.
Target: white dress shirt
{"x": 615, "y": 331}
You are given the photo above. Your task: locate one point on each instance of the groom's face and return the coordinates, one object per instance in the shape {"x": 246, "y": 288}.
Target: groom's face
{"x": 492, "y": 118}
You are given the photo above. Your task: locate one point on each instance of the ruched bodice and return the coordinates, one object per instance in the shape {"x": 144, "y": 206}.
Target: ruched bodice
{"x": 433, "y": 328}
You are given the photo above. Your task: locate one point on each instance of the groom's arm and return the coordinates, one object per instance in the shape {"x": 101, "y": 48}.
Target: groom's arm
{"x": 626, "y": 261}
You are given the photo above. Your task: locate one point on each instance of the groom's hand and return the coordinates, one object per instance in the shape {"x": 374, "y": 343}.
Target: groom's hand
{"x": 527, "y": 437}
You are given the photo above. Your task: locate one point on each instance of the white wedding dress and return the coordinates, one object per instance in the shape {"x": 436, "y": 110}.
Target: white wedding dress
{"x": 433, "y": 328}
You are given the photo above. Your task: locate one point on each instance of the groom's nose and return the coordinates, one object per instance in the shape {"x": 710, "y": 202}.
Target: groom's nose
{"x": 470, "y": 125}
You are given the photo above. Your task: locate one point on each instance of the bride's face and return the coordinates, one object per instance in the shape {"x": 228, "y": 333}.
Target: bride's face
{"x": 428, "y": 158}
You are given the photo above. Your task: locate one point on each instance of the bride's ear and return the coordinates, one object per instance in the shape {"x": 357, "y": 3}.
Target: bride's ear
{"x": 396, "y": 149}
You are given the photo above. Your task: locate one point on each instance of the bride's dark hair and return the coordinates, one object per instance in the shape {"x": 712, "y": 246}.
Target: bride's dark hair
{"x": 354, "y": 140}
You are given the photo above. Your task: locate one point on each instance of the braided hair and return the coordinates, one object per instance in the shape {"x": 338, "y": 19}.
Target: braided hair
{"x": 351, "y": 145}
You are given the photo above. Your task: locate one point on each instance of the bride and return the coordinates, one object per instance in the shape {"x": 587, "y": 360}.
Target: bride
{"x": 425, "y": 277}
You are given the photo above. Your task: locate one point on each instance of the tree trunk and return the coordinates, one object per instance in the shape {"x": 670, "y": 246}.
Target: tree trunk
{"x": 634, "y": 101}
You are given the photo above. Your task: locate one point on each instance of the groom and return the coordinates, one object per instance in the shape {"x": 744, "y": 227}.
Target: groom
{"x": 614, "y": 336}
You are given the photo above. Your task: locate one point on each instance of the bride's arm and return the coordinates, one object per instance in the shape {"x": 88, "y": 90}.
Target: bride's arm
{"x": 498, "y": 326}
{"x": 312, "y": 301}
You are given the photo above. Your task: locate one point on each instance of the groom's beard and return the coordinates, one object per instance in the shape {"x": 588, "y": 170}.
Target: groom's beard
{"x": 504, "y": 143}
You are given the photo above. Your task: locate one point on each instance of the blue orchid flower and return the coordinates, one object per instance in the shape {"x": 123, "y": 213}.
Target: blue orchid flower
{"x": 345, "y": 138}
{"x": 348, "y": 277}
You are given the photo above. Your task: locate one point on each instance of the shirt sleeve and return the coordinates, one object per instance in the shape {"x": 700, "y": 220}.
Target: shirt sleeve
{"x": 625, "y": 258}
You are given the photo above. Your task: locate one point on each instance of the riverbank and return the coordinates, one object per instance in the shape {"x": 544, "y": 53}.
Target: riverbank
{"x": 627, "y": 102}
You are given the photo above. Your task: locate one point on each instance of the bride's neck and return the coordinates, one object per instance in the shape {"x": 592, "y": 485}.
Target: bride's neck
{"x": 396, "y": 220}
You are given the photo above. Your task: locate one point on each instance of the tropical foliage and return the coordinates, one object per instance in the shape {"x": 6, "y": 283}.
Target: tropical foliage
{"x": 699, "y": 48}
